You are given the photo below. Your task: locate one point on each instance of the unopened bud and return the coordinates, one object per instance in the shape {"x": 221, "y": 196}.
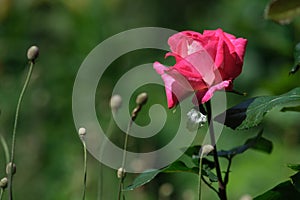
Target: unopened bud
{"x": 115, "y": 102}
{"x": 33, "y": 53}
{"x": 10, "y": 168}
{"x": 205, "y": 149}
{"x": 121, "y": 173}
{"x": 142, "y": 98}
{"x": 81, "y": 132}
{"x": 3, "y": 182}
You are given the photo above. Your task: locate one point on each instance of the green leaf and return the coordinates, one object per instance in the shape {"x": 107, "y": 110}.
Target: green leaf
{"x": 283, "y": 191}
{"x": 257, "y": 142}
{"x": 177, "y": 166}
{"x": 282, "y": 11}
{"x": 296, "y": 181}
{"x": 261, "y": 144}
{"x": 295, "y": 167}
{"x": 250, "y": 113}
{"x": 294, "y": 109}
{"x": 142, "y": 179}
{"x": 297, "y": 60}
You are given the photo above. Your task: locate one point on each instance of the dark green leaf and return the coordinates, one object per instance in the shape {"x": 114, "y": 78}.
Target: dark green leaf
{"x": 206, "y": 171}
{"x": 261, "y": 144}
{"x": 295, "y": 167}
{"x": 296, "y": 181}
{"x": 142, "y": 179}
{"x": 294, "y": 109}
{"x": 179, "y": 166}
{"x": 258, "y": 143}
{"x": 297, "y": 60}
{"x": 251, "y": 112}
{"x": 283, "y": 191}
{"x": 282, "y": 11}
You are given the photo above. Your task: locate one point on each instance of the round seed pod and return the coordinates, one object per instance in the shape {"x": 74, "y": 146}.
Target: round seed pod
{"x": 10, "y": 167}
{"x": 33, "y": 53}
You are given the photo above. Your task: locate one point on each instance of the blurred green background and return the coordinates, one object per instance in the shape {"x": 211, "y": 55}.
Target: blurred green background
{"x": 49, "y": 152}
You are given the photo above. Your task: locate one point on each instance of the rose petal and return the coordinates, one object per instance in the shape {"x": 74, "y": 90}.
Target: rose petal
{"x": 208, "y": 95}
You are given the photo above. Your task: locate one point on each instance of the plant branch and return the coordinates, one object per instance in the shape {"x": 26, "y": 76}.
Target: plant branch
{"x": 209, "y": 185}
{"x": 226, "y": 179}
{"x": 222, "y": 186}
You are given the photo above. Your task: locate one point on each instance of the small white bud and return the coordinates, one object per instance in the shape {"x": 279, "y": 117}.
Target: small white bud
{"x": 121, "y": 172}
{"x": 141, "y": 98}
{"x": 205, "y": 149}
{"x": 246, "y": 197}
{"x": 10, "y": 167}
{"x": 81, "y": 131}
{"x": 33, "y": 53}
{"x": 3, "y": 182}
{"x": 115, "y": 102}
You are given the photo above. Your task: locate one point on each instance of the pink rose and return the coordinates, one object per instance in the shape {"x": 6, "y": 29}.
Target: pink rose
{"x": 205, "y": 63}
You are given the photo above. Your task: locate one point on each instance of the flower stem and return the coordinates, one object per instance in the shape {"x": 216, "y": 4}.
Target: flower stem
{"x": 124, "y": 158}
{"x": 13, "y": 145}
{"x": 84, "y": 168}
{"x": 5, "y": 148}
{"x": 199, "y": 178}
{"x": 100, "y": 178}
{"x": 222, "y": 186}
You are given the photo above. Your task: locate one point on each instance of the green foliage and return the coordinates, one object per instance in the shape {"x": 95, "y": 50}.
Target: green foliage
{"x": 297, "y": 59}
{"x": 295, "y": 167}
{"x": 282, "y": 11}
{"x": 287, "y": 190}
{"x": 250, "y": 113}
{"x": 257, "y": 143}
{"x": 177, "y": 166}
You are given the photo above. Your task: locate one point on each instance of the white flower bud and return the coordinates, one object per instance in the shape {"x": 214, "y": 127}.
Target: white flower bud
{"x": 142, "y": 98}
{"x": 33, "y": 53}
{"x": 115, "y": 102}
{"x": 3, "y": 182}
{"x": 10, "y": 167}
{"x": 81, "y": 131}
{"x": 121, "y": 173}
{"x": 205, "y": 149}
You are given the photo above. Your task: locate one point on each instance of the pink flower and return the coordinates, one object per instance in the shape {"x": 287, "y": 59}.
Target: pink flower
{"x": 205, "y": 63}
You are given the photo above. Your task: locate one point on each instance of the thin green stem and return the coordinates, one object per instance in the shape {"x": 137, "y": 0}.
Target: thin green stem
{"x": 13, "y": 145}
{"x": 124, "y": 158}
{"x": 108, "y": 134}
{"x": 222, "y": 186}
{"x": 199, "y": 180}
{"x": 5, "y": 148}
{"x": 84, "y": 168}
{"x": 1, "y": 193}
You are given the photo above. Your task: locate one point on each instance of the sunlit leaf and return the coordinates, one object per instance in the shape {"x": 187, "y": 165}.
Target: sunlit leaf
{"x": 282, "y": 11}
{"x": 250, "y": 113}
{"x": 295, "y": 167}
{"x": 142, "y": 179}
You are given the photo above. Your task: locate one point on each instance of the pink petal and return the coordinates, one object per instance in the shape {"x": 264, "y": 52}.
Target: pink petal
{"x": 176, "y": 86}
{"x": 208, "y": 95}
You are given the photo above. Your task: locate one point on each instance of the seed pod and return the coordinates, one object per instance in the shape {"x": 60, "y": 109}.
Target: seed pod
{"x": 121, "y": 173}
{"x": 205, "y": 149}
{"x": 142, "y": 98}
{"x": 3, "y": 182}
{"x": 33, "y": 53}
{"x": 9, "y": 167}
{"x": 81, "y": 131}
{"x": 115, "y": 102}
